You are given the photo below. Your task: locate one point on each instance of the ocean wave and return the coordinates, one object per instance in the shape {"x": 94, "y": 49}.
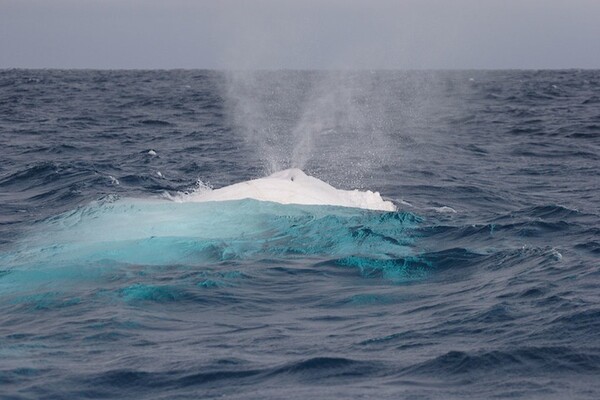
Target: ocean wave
{"x": 510, "y": 361}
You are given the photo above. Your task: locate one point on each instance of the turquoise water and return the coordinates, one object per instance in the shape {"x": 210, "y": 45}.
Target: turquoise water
{"x": 95, "y": 243}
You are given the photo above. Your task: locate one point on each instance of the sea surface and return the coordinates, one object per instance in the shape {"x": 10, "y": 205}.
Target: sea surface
{"x": 484, "y": 284}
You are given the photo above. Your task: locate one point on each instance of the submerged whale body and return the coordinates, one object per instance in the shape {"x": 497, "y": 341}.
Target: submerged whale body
{"x": 282, "y": 217}
{"x": 293, "y": 186}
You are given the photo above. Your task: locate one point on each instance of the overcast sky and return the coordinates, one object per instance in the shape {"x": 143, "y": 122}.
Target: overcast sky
{"x": 323, "y": 34}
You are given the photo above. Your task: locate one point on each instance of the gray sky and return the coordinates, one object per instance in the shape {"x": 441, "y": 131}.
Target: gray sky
{"x": 271, "y": 34}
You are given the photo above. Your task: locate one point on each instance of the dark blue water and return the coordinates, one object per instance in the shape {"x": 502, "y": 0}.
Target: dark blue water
{"x": 485, "y": 283}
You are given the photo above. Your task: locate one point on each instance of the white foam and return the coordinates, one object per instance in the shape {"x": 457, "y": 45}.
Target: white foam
{"x": 445, "y": 209}
{"x": 292, "y": 186}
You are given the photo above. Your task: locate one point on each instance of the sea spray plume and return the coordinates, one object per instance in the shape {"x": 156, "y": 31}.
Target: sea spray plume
{"x": 305, "y": 121}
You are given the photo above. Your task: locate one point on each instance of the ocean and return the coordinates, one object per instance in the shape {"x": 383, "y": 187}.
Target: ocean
{"x": 115, "y": 284}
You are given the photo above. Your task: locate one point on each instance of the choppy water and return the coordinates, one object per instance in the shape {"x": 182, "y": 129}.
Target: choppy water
{"x": 484, "y": 285}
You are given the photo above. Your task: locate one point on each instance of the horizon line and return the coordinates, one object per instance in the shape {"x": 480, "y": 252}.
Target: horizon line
{"x": 297, "y": 69}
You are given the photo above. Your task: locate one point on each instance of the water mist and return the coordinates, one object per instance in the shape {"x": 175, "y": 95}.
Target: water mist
{"x": 329, "y": 122}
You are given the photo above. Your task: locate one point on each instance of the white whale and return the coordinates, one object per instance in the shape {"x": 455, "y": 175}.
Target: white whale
{"x": 292, "y": 186}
